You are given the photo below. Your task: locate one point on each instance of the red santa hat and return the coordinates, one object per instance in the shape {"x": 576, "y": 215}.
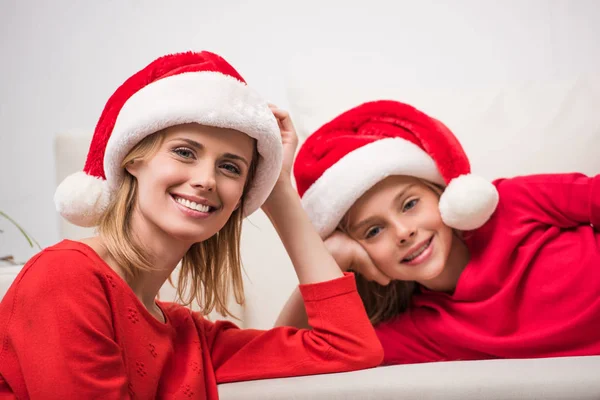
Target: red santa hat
{"x": 344, "y": 158}
{"x": 175, "y": 89}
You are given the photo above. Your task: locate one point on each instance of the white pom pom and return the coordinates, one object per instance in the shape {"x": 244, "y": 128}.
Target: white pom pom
{"x": 468, "y": 202}
{"x": 81, "y": 199}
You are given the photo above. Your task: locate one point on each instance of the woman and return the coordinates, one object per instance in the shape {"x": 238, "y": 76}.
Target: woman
{"x": 182, "y": 152}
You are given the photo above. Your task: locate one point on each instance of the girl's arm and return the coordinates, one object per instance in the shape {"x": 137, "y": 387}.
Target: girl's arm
{"x": 563, "y": 200}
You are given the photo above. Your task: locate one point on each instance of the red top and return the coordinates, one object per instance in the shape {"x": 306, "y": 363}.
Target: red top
{"x": 70, "y": 327}
{"x": 531, "y": 288}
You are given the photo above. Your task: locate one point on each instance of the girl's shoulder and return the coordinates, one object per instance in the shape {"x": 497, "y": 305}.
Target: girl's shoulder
{"x": 516, "y": 185}
{"x": 548, "y": 181}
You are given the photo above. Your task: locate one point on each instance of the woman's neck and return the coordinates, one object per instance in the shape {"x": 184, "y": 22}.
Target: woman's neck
{"x": 163, "y": 252}
{"x": 164, "y": 259}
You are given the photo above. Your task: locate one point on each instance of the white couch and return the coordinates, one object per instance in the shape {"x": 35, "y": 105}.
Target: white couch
{"x": 544, "y": 379}
{"x": 526, "y": 128}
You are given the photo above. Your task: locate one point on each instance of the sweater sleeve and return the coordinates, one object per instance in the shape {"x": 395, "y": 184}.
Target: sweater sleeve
{"x": 59, "y": 334}
{"x": 562, "y": 200}
{"x": 342, "y": 339}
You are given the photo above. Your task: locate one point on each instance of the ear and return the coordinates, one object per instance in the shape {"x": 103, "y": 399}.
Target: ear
{"x": 238, "y": 205}
{"x": 133, "y": 167}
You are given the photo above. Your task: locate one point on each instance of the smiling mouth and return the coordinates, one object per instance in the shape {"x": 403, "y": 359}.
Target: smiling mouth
{"x": 203, "y": 208}
{"x": 418, "y": 252}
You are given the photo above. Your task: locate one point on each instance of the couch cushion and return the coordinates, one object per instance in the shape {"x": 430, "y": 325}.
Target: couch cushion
{"x": 551, "y": 378}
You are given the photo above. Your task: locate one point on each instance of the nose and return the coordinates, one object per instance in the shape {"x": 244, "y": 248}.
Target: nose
{"x": 404, "y": 233}
{"x": 204, "y": 177}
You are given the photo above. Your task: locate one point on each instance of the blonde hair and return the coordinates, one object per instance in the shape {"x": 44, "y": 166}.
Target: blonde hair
{"x": 385, "y": 302}
{"x": 209, "y": 269}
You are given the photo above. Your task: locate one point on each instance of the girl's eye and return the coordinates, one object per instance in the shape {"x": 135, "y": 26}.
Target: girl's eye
{"x": 184, "y": 152}
{"x": 410, "y": 204}
{"x": 372, "y": 232}
{"x": 232, "y": 168}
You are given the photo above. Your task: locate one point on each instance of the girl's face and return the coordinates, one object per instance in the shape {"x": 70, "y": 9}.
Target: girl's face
{"x": 192, "y": 185}
{"x": 399, "y": 224}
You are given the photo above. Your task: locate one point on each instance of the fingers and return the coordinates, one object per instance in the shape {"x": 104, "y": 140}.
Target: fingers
{"x": 365, "y": 266}
{"x": 340, "y": 246}
{"x": 279, "y": 113}
{"x": 349, "y": 254}
{"x": 283, "y": 119}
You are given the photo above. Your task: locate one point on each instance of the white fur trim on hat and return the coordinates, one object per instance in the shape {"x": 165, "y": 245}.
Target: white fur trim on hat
{"x": 332, "y": 195}
{"x": 82, "y": 198}
{"x": 468, "y": 202}
{"x": 208, "y": 98}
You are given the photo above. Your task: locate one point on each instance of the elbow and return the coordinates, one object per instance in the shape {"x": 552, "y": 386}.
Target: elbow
{"x": 370, "y": 348}
{"x": 372, "y": 354}
{"x": 361, "y": 354}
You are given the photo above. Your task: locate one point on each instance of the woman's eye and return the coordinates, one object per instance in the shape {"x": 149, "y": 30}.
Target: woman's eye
{"x": 184, "y": 152}
{"x": 410, "y": 204}
{"x": 372, "y": 232}
{"x": 232, "y": 168}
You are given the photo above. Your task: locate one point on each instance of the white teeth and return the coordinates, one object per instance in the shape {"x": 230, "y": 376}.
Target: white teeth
{"x": 191, "y": 205}
{"x": 417, "y": 253}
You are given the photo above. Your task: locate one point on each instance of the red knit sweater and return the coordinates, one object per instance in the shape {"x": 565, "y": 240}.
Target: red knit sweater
{"x": 531, "y": 288}
{"x": 70, "y": 327}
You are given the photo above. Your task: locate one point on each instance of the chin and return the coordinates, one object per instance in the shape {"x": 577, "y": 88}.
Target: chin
{"x": 432, "y": 271}
{"x": 190, "y": 236}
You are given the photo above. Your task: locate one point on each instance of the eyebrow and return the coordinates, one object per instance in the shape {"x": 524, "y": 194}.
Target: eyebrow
{"x": 199, "y": 146}
{"x": 367, "y": 221}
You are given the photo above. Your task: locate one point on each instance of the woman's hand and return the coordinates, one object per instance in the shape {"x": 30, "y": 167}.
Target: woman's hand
{"x": 283, "y": 190}
{"x": 350, "y": 255}
{"x": 289, "y": 138}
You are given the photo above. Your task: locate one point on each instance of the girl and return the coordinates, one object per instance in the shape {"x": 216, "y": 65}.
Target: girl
{"x": 182, "y": 152}
{"x": 449, "y": 266}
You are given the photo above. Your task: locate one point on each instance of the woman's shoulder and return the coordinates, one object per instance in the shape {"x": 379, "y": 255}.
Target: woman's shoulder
{"x": 175, "y": 311}
{"x": 66, "y": 262}
{"x": 68, "y": 275}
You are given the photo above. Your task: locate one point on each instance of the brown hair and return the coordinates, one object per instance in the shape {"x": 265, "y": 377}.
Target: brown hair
{"x": 385, "y": 302}
{"x": 209, "y": 269}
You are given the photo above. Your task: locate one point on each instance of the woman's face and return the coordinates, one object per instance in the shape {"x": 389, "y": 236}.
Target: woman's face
{"x": 195, "y": 181}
